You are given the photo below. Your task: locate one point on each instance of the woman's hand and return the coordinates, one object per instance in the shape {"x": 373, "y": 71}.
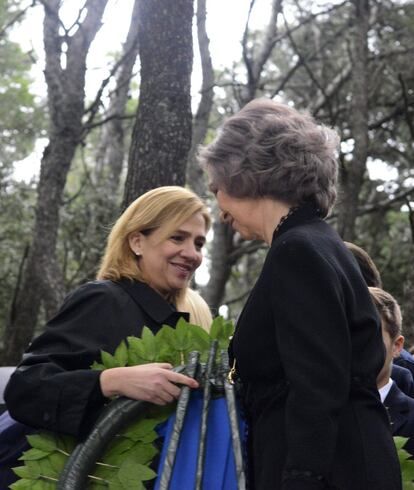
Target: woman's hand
{"x": 155, "y": 383}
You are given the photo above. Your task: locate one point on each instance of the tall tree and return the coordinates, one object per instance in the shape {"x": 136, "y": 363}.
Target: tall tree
{"x": 161, "y": 136}
{"x": 352, "y": 172}
{"x": 195, "y": 177}
{"x": 65, "y": 77}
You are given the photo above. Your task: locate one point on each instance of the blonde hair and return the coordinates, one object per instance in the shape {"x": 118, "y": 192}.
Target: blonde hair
{"x": 389, "y": 311}
{"x": 164, "y": 208}
{"x": 199, "y": 310}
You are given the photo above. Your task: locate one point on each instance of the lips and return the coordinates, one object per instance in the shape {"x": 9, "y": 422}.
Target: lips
{"x": 184, "y": 269}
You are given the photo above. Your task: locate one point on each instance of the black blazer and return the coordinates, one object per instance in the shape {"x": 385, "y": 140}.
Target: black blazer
{"x": 54, "y": 387}
{"x": 401, "y": 412}
{"x": 403, "y": 379}
{"x": 308, "y": 348}
{"x": 406, "y": 360}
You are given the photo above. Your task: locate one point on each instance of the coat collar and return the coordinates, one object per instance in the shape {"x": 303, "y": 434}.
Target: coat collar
{"x": 304, "y": 213}
{"x": 151, "y": 302}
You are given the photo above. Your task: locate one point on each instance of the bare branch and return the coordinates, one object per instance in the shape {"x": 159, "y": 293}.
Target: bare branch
{"x": 16, "y": 18}
{"x": 245, "y": 54}
{"x": 409, "y": 119}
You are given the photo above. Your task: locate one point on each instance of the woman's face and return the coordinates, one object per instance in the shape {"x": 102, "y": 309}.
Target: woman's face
{"x": 168, "y": 264}
{"x": 240, "y": 213}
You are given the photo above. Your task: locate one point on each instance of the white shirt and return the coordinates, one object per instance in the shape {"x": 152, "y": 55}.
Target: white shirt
{"x": 385, "y": 390}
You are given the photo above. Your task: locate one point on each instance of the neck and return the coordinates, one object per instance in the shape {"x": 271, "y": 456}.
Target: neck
{"x": 273, "y": 213}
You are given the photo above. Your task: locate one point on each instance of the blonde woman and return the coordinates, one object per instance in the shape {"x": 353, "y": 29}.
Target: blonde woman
{"x": 152, "y": 252}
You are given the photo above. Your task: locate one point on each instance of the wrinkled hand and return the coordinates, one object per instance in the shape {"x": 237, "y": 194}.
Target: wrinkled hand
{"x": 155, "y": 383}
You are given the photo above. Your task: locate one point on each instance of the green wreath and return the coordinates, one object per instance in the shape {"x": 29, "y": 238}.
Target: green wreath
{"x": 126, "y": 461}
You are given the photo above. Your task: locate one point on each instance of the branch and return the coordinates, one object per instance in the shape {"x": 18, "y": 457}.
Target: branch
{"x": 307, "y": 68}
{"x": 238, "y": 298}
{"x": 246, "y": 58}
{"x": 398, "y": 111}
{"x": 386, "y": 204}
{"x": 16, "y": 18}
{"x": 246, "y": 249}
{"x": 406, "y": 106}
{"x": 269, "y": 40}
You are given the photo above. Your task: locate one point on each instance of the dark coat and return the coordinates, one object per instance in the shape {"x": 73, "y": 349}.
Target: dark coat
{"x": 401, "y": 412}
{"x": 403, "y": 379}
{"x": 54, "y": 387}
{"x": 308, "y": 348}
{"x": 406, "y": 360}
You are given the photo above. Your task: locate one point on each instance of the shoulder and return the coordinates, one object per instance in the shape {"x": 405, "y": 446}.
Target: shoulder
{"x": 305, "y": 248}
{"x": 98, "y": 290}
{"x": 94, "y": 298}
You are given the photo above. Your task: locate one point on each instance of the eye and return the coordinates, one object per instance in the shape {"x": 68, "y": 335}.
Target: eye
{"x": 199, "y": 245}
{"x": 177, "y": 238}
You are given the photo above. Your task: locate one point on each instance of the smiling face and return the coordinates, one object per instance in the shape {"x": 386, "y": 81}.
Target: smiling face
{"x": 167, "y": 264}
{"x": 240, "y": 213}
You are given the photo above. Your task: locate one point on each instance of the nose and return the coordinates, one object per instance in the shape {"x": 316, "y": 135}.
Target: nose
{"x": 190, "y": 252}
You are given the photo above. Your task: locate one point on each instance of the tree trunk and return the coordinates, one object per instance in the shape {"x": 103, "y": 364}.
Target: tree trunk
{"x": 195, "y": 175}
{"x": 161, "y": 136}
{"x": 352, "y": 173}
{"x": 42, "y": 279}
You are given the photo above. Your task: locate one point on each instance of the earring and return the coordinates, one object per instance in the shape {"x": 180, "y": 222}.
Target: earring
{"x": 138, "y": 254}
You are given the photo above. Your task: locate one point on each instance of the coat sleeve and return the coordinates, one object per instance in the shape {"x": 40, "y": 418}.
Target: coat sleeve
{"x": 312, "y": 333}
{"x": 54, "y": 387}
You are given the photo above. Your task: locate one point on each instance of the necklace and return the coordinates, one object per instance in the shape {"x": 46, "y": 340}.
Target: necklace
{"x": 231, "y": 375}
{"x": 284, "y": 218}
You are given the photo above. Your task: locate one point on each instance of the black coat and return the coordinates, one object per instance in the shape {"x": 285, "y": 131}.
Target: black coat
{"x": 54, "y": 387}
{"x": 308, "y": 348}
{"x": 403, "y": 379}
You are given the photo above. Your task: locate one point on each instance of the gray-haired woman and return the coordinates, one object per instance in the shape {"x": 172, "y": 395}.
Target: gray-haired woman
{"x": 308, "y": 346}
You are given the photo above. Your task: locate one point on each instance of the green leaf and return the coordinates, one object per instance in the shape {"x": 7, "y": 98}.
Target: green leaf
{"x": 108, "y": 360}
{"x": 136, "y": 351}
{"x": 44, "y": 441}
{"x": 33, "y": 454}
{"x": 200, "y": 338}
{"x": 407, "y": 470}
{"x": 139, "y": 430}
{"x": 132, "y": 472}
{"x": 400, "y": 442}
{"x": 22, "y": 485}
{"x": 96, "y": 366}
{"x": 119, "y": 445}
{"x": 121, "y": 354}
{"x": 182, "y": 338}
{"x": 23, "y": 472}
{"x": 150, "y": 345}
{"x": 58, "y": 461}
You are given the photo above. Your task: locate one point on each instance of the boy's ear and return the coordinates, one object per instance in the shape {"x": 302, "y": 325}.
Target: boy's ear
{"x": 397, "y": 346}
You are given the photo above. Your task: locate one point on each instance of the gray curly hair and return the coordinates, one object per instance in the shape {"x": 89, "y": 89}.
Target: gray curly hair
{"x": 269, "y": 149}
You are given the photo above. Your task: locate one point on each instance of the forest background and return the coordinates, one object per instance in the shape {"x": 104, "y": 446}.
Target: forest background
{"x": 349, "y": 63}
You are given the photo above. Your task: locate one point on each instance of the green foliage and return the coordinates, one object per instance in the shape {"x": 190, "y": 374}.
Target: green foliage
{"x": 406, "y": 463}
{"x": 21, "y": 118}
{"x": 125, "y": 464}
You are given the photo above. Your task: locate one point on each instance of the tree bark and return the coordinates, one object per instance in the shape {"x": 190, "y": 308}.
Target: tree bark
{"x": 352, "y": 173}
{"x": 161, "y": 136}
{"x": 42, "y": 278}
{"x": 195, "y": 175}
